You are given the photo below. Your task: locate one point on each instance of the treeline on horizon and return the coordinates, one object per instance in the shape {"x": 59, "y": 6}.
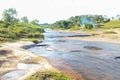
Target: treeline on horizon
{"x": 12, "y": 28}
{"x": 82, "y": 21}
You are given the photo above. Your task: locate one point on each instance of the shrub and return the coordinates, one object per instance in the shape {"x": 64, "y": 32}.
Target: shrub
{"x": 88, "y": 26}
{"x": 94, "y": 34}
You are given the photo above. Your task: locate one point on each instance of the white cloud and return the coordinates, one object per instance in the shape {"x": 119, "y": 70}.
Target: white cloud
{"x": 52, "y": 10}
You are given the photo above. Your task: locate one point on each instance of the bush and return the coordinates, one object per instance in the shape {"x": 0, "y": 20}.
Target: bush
{"x": 94, "y": 34}
{"x": 75, "y": 28}
{"x": 88, "y": 26}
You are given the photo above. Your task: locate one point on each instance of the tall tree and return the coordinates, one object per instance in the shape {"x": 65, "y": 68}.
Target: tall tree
{"x": 9, "y": 15}
{"x": 25, "y": 19}
{"x": 35, "y": 22}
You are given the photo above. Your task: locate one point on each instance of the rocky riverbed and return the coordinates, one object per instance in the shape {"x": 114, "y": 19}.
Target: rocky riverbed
{"x": 16, "y": 63}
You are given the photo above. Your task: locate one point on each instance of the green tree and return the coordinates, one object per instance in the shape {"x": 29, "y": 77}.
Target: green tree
{"x": 25, "y": 19}
{"x": 9, "y": 15}
{"x": 35, "y": 22}
{"x": 88, "y": 26}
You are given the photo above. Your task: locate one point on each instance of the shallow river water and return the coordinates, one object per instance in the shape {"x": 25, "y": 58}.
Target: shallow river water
{"x": 87, "y": 60}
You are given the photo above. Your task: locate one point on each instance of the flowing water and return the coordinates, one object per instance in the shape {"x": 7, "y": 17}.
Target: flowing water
{"x": 79, "y": 59}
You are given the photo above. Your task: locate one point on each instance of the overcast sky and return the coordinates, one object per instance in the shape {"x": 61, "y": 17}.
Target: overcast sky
{"x": 49, "y": 11}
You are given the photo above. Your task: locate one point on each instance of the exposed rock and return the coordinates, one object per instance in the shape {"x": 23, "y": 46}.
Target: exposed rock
{"x": 42, "y": 45}
{"x": 27, "y": 66}
{"x": 117, "y": 57}
{"x": 5, "y": 52}
{"x": 28, "y": 46}
{"x": 49, "y": 49}
{"x": 37, "y": 41}
{"x": 20, "y": 62}
{"x": 78, "y": 35}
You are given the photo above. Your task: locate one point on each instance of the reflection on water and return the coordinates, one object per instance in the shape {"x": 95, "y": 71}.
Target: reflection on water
{"x": 91, "y": 60}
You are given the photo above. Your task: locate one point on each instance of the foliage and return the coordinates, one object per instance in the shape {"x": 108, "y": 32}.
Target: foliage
{"x": 88, "y": 26}
{"x": 20, "y": 30}
{"x": 9, "y": 15}
{"x": 35, "y": 22}
{"x": 25, "y": 19}
{"x": 74, "y": 28}
{"x": 48, "y": 76}
{"x": 12, "y": 29}
{"x": 76, "y": 22}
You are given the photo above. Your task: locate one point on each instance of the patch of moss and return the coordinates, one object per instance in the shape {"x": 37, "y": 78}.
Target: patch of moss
{"x": 48, "y": 76}
{"x": 94, "y": 34}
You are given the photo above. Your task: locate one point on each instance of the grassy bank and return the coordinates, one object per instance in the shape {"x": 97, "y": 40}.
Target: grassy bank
{"x": 16, "y": 31}
{"x": 13, "y": 28}
{"x": 112, "y": 24}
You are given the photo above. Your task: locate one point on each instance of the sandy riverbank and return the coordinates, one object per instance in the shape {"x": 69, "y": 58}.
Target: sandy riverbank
{"x": 13, "y": 59}
{"x": 100, "y": 38}
{"x": 96, "y": 35}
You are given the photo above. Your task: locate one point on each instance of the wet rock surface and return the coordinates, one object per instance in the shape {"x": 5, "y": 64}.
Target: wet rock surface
{"x": 82, "y": 60}
{"x": 16, "y": 62}
{"x": 14, "y": 75}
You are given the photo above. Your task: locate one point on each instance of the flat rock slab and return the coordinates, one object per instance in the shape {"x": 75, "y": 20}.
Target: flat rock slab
{"x": 27, "y": 66}
{"x": 14, "y": 75}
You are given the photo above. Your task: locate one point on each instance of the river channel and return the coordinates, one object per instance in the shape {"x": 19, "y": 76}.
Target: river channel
{"x": 87, "y": 60}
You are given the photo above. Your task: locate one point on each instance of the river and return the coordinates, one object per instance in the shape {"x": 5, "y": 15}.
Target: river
{"x": 79, "y": 59}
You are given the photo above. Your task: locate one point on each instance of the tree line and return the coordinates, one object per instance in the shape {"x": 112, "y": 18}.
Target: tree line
{"x": 82, "y": 21}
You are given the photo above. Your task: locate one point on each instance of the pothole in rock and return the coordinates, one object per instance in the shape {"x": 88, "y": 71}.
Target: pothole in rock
{"x": 61, "y": 41}
{"x": 117, "y": 58}
{"x": 28, "y": 46}
{"x": 92, "y": 48}
{"x": 43, "y": 45}
{"x": 4, "y": 52}
{"x": 76, "y": 51}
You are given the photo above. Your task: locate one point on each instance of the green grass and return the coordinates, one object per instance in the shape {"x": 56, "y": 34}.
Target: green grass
{"x": 110, "y": 32}
{"x": 112, "y": 24}
{"x": 19, "y": 31}
{"x": 48, "y": 76}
